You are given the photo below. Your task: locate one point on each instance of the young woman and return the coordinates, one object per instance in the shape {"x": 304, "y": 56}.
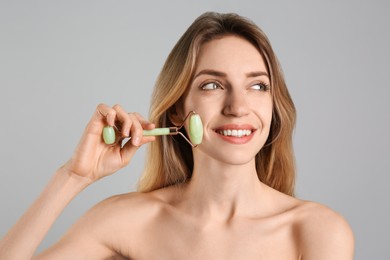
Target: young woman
{"x": 229, "y": 198}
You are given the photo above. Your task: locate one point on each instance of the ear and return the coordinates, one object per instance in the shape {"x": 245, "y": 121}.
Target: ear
{"x": 175, "y": 116}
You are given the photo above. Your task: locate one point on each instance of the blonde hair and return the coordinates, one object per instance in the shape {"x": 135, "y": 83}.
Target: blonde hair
{"x": 169, "y": 159}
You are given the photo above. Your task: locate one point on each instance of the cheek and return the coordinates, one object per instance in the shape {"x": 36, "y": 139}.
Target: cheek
{"x": 201, "y": 106}
{"x": 189, "y": 103}
{"x": 263, "y": 108}
{"x": 269, "y": 111}
{"x": 269, "y": 116}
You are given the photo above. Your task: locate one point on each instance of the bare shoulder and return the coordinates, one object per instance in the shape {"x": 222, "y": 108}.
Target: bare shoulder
{"x": 109, "y": 229}
{"x": 323, "y": 233}
{"x": 131, "y": 202}
{"x": 125, "y": 210}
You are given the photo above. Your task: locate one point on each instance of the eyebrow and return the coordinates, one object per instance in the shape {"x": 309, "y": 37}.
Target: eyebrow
{"x": 222, "y": 74}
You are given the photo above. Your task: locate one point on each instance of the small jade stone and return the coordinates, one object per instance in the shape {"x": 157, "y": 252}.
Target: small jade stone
{"x": 109, "y": 135}
{"x": 196, "y": 129}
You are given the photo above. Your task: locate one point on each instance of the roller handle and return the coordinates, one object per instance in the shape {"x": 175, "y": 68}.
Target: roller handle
{"x": 160, "y": 131}
{"x": 109, "y": 134}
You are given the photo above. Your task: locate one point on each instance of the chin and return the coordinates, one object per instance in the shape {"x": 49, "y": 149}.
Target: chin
{"x": 238, "y": 158}
{"x": 231, "y": 156}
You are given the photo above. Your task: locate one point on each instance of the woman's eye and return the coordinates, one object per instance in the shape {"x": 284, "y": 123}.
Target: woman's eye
{"x": 260, "y": 86}
{"x": 210, "y": 86}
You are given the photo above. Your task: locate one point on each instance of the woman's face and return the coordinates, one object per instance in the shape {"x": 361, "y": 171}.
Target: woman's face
{"x": 230, "y": 91}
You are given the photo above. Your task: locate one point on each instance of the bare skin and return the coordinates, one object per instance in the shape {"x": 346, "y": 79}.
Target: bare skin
{"x": 223, "y": 212}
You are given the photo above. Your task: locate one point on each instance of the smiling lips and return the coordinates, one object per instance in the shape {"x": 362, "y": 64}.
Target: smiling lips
{"x": 236, "y": 134}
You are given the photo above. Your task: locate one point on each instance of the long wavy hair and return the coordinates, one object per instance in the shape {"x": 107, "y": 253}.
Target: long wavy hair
{"x": 169, "y": 160}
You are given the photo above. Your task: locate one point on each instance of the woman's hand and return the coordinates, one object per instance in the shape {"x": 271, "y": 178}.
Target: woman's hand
{"x": 93, "y": 158}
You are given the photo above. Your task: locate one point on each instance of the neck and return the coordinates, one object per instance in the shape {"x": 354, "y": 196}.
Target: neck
{"x": 223, "y": 190}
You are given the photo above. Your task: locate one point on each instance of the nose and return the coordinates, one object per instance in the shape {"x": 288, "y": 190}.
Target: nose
{"x": 235, "y": 104}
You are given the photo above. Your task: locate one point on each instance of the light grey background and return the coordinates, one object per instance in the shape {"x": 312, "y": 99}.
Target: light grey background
{"x": 59, "y": 59}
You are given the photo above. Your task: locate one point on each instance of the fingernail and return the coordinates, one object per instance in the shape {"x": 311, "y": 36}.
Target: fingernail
{"x": 136, "y": 141}
{"x": 126, "y": 133}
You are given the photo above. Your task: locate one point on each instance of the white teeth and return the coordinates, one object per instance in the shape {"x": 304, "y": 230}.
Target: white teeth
{"x": 235, "y": 132}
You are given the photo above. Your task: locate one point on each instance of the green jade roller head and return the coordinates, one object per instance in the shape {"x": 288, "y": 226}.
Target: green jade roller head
{"x": 195, "y": 131}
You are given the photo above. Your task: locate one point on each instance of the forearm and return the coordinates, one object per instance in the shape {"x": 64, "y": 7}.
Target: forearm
{"x": 24, "y": 237}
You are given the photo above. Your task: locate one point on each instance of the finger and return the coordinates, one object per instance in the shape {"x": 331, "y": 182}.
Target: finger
{"x": 124, "y": 120}
{"x": 147, "y": 139}
{"x": 135, "y": 130}
{"x": 145, "y": 123}
{"x": 103, "y": 116}
{"x": 106, "y": 113}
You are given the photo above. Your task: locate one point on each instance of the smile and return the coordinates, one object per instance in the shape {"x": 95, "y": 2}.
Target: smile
{"x": 235, "y": 132}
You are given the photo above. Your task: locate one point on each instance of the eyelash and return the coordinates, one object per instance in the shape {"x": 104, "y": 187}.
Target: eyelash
{"x": 216, "y": 84}
{"x": 263, "y": 86}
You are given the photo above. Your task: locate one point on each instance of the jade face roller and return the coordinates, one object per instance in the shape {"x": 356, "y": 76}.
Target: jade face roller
{"x": 195, "y": 131}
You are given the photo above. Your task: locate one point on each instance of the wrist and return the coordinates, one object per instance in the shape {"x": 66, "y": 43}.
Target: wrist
{"x": 71, "y": 176}
{"x": 67, "y": 184}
